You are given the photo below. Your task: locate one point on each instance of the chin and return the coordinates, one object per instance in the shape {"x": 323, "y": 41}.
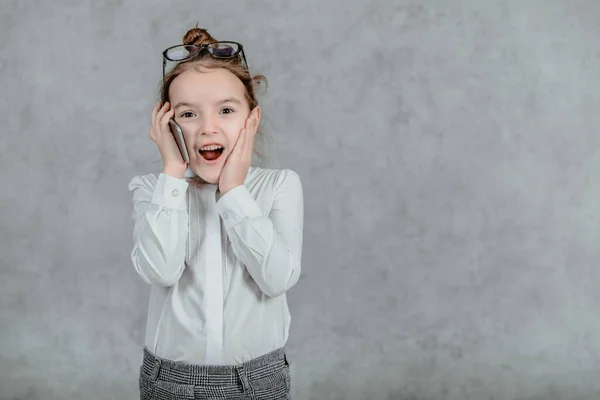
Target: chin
{"x": 208, "y": 174}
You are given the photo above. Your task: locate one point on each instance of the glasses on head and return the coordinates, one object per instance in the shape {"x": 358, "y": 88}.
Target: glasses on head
{"x": 183, "y": 52}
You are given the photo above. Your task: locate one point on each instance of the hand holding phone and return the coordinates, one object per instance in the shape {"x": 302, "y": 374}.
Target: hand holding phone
{"x": 178, "y": 135}
{"x": 175, "y": 157}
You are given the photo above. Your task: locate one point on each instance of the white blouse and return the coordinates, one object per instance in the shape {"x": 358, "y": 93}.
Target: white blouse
{"x": 218, "y": 266}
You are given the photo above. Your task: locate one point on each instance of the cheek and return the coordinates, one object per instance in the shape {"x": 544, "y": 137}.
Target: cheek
{"x": 188, "y": 129}
{"x": 233, "y": 127}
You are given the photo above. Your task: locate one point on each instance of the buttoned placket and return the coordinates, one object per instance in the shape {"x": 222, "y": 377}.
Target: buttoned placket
{"x": 213, "y": 295}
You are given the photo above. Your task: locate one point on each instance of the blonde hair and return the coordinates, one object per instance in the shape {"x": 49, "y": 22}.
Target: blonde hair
{"x": 204, "y": 61}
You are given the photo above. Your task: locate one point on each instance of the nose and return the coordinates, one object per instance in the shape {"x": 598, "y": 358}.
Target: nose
{"x": 209, "y": 125}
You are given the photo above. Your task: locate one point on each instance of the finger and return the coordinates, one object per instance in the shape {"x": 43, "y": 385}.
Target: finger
{"x": 248, "y": 123}
{"x": 161, "y": 112}
{"x": 157, "y": 116}
{"x": 242, "y": 142}
{"x": 164, "y": 121}
{"x": 154, "y": 113}
{"x": 238, "y": 142}
{"x": 250, "y": 144}
{"x": 252, "y": 126}
{"x": 155, "y": 110}
{"x": 249, "y": 131}
{"x": 251, "y": 136}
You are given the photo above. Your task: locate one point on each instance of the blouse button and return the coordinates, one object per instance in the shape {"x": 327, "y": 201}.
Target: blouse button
{"x": 175, "y": 193}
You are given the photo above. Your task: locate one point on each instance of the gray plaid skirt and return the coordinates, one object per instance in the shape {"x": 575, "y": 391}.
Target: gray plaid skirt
{"x": 264, "y": 378}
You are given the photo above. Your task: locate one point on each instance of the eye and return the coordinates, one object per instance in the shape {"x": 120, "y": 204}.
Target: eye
{"x": 187, "y": 114}
{"x": 227, "y": 110}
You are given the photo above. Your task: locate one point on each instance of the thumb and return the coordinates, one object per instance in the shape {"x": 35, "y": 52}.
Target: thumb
{"x": 250, "y": 122}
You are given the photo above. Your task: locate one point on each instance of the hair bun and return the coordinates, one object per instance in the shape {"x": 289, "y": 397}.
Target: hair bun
{"x": 197, "y": 36}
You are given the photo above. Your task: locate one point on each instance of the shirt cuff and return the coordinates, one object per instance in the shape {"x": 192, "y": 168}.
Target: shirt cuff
{"x": 236, "y": 206}
{"x": 170, "y": 192}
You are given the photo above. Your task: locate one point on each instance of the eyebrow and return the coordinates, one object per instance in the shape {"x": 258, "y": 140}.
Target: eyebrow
{"x": 184, "y": 104}
{"x": 229, "y": 100}
{"x": 220, "y": 102}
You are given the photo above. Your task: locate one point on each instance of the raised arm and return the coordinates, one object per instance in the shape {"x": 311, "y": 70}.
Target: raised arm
{"x": 269, "y": 246}
{"x": 160, "y": 230}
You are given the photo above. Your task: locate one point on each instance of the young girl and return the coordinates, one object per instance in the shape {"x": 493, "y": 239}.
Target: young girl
{"x": 219, "y": 241}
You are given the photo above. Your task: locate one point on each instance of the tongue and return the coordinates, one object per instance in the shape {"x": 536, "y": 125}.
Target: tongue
{"x": 211, "y": 154}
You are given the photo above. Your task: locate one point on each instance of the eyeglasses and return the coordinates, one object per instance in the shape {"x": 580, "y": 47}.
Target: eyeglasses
{"x": 183, "y": 52}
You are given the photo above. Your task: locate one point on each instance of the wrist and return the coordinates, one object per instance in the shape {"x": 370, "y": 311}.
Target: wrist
{"x": 228, "y": 188}
{"x": 174, "y": 172}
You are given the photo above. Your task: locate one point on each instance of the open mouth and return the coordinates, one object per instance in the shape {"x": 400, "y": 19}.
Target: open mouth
{"x": 211, "y": 153}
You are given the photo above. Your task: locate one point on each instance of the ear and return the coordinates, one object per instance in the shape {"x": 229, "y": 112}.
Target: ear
{"x": 254, "y": 118}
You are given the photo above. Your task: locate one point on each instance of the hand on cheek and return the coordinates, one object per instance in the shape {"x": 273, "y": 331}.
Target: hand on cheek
{"x": 239, "y": 160}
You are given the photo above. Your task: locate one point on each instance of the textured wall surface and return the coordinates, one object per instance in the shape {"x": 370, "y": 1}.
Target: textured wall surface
{"x": 449, "y": 156}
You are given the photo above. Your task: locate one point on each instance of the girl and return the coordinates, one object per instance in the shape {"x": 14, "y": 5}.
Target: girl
{"x": 218, "y": 240}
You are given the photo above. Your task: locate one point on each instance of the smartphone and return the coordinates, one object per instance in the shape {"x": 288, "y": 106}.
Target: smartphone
{"x": 178, "y": 135}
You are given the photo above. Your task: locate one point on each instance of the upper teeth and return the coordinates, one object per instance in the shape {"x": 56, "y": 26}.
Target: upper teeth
{"x": 211, "y": 147}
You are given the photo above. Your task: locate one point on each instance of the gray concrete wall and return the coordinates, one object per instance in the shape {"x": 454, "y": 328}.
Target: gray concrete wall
{"x": 448, "y": 151}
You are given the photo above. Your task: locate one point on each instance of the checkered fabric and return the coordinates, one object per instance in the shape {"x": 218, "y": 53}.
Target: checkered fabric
{"x": 263, "y": 378}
